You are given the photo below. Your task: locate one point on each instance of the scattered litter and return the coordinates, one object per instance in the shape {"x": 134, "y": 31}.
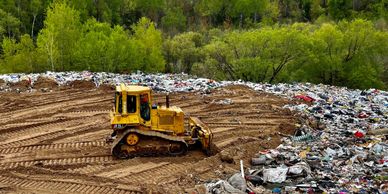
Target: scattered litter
{"x": 340, "y": 145}
{"x": 305, "y": 98}
{"x": 223, "y": 102}
{"x": 238, "y": 182}
{"x": 222, "y": 187}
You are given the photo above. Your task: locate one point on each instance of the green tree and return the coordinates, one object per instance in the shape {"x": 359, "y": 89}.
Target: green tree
{"x": 91, "y": 49}
{"x": 212, "y": 11}
{"x": 125, "y": 53}
{"x": 20, "y": 56}
{"x": 185, "y": 49}
{"x": 150, "y": 41}
{"x": 60, "y": 35}
{"x": 174, "y": 21}
{"x": 247, "y": 8}
{"x": 102, "y": 48}
{"x": 9, "y": 25}
{"x": 219, "y": 57}
{"x": 339, "y": 9}
{"x": 36, "y": 9}
{"x": 151, "y": 8}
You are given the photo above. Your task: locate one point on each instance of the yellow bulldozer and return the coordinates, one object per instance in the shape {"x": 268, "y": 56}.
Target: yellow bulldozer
{"x": 141, "y": 128}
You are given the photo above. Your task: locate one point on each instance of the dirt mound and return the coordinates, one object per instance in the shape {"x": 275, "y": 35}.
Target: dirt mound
{"x": 56, "y": 142}
{"x": 22, "y": 85}
{"x": 82, "y": 84}
{"x": 44, "y": 82}
{"x": 287, "y": 128}
{"x": 106, "y": 87}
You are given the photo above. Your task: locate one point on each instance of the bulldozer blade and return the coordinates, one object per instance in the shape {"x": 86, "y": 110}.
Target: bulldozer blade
{"x": 207, "y": 137}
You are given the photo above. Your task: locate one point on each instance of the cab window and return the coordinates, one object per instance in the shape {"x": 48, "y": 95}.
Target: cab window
{"x": 120, "y": 105}
{"x": 131, "y": 104}
{"x": 144, "y": 107}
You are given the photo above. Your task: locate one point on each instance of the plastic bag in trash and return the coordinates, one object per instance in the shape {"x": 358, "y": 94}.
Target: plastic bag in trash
{"x": 275, "y": 175}
{"x": 299, "y": 168}
{"x": 221, "y": 187}
{"x": 238, "y": 182}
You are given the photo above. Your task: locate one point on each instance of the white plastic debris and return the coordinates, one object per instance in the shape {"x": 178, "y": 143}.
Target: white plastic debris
{"x": 221, "y": 187}
{"x": 299, "y": 168}
{"x": 238, "y": 182}
{"x": 275, "y": 175}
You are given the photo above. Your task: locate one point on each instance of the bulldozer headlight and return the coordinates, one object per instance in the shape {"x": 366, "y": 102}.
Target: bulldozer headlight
{"x": 118, "y": 126}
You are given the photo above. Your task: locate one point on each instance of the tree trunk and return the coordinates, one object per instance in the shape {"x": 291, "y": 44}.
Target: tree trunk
{"x": 356, "y": 5}
{"x": 49, "y": 46}
{"x": 324, "y": 3}
{"x": 32, "y": 28}
{"x": 241, "y": 20}
{"x": 277, "y": 70}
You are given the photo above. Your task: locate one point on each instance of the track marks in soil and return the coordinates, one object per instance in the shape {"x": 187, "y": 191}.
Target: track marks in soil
{"x": 62, "y": 135}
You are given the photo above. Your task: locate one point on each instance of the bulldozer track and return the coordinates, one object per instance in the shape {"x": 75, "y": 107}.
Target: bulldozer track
{"x": 221, "y": 131}
{"x": 147, "y": 177}
{"x": 26, "y": 111}
{"x": 40, "y": 138}
{"x": 33, "y": 128}
{"x": 42, "y": 130}
{"x": 216, "y": 109}
{"x": 233, "y": 114}
{"x": 54, "y": 142}
{"x": 62, "y": 99}
{"x": 58, "y": 146}
{"x": 89, "y": 169}
{"x": 125, "y": 171}
{"x": 32, "y": 140}
{"x": 68, "y": 187}
{"x": 88, "y": 111}
{"x": 59, "y": 161}
{"x": 240, "y": 124}
{"x": 24, "y": 124}
{"x": 149, "y": 133}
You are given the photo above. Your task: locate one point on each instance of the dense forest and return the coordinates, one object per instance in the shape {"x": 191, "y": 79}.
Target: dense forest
{"x": 337, "y": 42}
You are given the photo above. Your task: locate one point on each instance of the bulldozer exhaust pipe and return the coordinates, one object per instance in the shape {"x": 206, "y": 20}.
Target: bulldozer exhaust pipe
{"x": 167, "y": 101}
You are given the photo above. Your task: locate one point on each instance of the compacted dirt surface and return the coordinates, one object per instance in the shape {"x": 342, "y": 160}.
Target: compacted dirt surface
{"x": 54, "y": 142}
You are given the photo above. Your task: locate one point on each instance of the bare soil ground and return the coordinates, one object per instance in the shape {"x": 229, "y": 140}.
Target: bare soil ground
{"x": 55, "y": 142}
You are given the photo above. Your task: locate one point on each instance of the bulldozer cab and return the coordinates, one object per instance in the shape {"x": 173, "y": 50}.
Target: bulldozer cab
{"x": 132, "y": 105}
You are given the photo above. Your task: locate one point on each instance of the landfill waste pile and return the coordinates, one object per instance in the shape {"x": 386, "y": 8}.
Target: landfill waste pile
{"x": 340, "y": 145}
{"x": 158, "y": 82}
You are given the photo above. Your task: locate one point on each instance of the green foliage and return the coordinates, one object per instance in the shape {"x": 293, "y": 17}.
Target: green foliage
{"x": 151, "y": 8}
{"x": 183, "y": 51}
{"x": 9, "y": 25}
{"x": 103, "y": 48}
{"x": 349, "y": 54}
{"x": 174, "y": 21}
{"x": 339, "y": 9}
{"x": 59, "y": 36}
{"x": 20, "y": 57}
{"x": 344, "y": 42}
{"x": 150, "y": 41}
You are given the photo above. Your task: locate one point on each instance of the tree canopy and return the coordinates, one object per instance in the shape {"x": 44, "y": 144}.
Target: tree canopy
{"x": 338, "y": 42}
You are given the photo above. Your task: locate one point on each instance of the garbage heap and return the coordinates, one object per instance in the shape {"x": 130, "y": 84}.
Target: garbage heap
{"x": 158, "y": 82}
{"x": 340, "y": 145}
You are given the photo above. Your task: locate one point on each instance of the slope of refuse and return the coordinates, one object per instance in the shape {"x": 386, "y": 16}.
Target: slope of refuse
{"x": 340, "y": 145}
{"x": 289, "y": 137}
